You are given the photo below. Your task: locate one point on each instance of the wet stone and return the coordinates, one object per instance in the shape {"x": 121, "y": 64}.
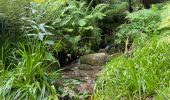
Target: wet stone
{"x": 96, "y": 59}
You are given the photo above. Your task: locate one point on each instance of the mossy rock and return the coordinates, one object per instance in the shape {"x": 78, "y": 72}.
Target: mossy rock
{"x": 97, "y": 59}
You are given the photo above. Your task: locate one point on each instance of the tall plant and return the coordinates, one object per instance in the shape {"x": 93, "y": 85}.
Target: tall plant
{"x": 29, "y": 79}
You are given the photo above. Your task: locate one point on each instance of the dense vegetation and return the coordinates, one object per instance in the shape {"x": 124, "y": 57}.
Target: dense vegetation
{"x": 145, "y": 72}
{"x": 38, "y": 37}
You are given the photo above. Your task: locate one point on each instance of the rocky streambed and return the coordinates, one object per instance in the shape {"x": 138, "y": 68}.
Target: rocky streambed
{"x": 80, "y": 76}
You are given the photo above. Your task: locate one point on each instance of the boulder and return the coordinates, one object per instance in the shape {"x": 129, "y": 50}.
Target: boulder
{"x": 97, "y": 59}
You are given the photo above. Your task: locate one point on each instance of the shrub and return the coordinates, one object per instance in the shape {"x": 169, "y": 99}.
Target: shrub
{"x": 76, "y": 25}
{"x": 139, "y": 23}
{"x": 29, "y": 77}
{"x": 72, "y": 23}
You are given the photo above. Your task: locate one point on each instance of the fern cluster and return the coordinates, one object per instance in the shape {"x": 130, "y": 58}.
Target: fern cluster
{"x": 73, "y": 24}
{"x": 139, "y": 23}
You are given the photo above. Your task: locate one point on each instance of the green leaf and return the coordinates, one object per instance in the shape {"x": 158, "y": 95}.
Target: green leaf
{"x": 49, "y": 42}
{"x": 89, "y": 28}
{"x": 82, "y": 22}
{"x": 58, "y": 20}
{"x": 88, "y": 17}
{"x": 41, "y": 26}
{"x": 68, "y": 29}
{"x": 65, "y": 21}
{"x": 99, "y": 15}
{"x": 41, "y": 36}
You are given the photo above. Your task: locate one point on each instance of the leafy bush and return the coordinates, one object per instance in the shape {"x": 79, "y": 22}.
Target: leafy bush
{"x": 139, "y": 23}
{"x": 73, "y": 24}
{"x": 29, "y": 77}
{"x": 143, "y": 75}
{"x": 77, "y": 24}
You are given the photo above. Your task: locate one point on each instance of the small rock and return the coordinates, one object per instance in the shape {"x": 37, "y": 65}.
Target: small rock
{"x": 65, "y": 77}
{"x": 77, "y": 74}
{"x": 97, "y": 59}
{"x": 85, "y": 87}
{"x": 86, "y": 78}
{"x": 149, "y": 98}
{"x": 90, "y": 81}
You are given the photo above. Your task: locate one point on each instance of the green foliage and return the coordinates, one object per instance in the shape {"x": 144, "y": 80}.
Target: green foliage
{"x": 165, "y": 18}
{"x": 139, "y": 23}
{"x": 10, "y": 27}
{"x": 67, "y": 90}
{"x": 24, "y": 62}
{"x": 143, "y": 74}
{"x": 30, "y": 77}
{"x": 79, "y": 24}
{"x": 73, "y": 23}
{"x": 69, "y": 26}
{"x": 118, "y": 7}
{"x": 35, "y": 29}
{"x": 31, "y": 32}
{"x": 28, "y": 80}
{"x": 4, "y": 50}
{"x": 13, "y": 10}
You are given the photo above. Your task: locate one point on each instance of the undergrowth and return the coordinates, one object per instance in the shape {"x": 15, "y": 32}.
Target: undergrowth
{"x": 34, "y": 32}
{"x": 145, "y": 74}
{"x": 28, "y": 80}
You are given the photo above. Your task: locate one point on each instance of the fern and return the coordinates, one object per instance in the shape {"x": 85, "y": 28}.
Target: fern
{"x": 73, "y": 19}
{"x": 142, "y": 22}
